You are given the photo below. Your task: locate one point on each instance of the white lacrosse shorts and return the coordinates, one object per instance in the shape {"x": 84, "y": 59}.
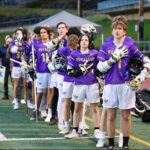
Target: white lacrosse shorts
{"x": 88, "y": 92}
{"x": 67, "y": 89}
{"x": 16, "y": 73}
{"x": 118, "y": 96}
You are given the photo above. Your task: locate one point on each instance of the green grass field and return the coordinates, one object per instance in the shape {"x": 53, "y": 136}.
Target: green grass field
{"x": 19, "y": 131}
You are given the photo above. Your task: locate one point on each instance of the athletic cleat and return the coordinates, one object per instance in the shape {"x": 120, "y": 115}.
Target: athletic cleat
{"x": 120, "y": 141}
{"x": 85, "y": 126}
{"x": 33, "y": 117}
{"x": 97, "y": 133}
{"x": 30, "y": 105}
{"x": 72, "y": 135}
{"x": 111, "y": 148}
{"x": 53, "y": 121}
{"x": 125, "y": 148}
{"x": 13, "y": 102}
{"x": 60, "y": 126}
{"x": 22, "y": 101}
{"x": 84, "y": 132}
{"x": 16, "y": 106}
{"x": 100, "y": 143}
{"x": 48, "y": 118}
{"x": 43, "y": 114}
{"x": 65, "y": 130}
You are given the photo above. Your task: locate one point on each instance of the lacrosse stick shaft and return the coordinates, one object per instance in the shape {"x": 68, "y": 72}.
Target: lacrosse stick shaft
{"x": 19, "y": 63}
{"x": 26, "y": 95}
{"x": 33, "y": 57}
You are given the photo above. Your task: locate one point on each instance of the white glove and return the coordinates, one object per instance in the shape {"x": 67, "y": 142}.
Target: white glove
{"x": 51, "y": 45}
{"x": 86, "y": 67}
{"x": 118, "y": 54}
{"x": 23, "y": 69}
{"x": 142, "y": 76}
{"x": 134, "y": 84}
{"x": 51, "y": 67}
{"x": 14, "y": 49}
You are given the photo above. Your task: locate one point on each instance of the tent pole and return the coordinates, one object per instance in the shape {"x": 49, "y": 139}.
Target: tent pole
{"x": 102, "y": 38}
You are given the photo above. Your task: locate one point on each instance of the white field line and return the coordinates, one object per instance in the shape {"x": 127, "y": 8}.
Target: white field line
{"x": 44, "y": 139}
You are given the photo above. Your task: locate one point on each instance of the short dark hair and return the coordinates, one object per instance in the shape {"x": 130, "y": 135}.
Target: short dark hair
{"x": 74, "y": 30}
{"x": 61, "y": 23}
{"x": 37, "y": 30}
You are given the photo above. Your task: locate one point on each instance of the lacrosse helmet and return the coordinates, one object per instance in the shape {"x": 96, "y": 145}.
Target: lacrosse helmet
{"x": 60, "y": 63}
{"x": 135, "y": 66}
{"x": 87, "y": 28}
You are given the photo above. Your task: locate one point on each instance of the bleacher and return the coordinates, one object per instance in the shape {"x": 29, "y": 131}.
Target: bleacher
{"x": 107, "y": 4}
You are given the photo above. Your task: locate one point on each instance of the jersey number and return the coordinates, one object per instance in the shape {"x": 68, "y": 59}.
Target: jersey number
{"x": 44, "y": 56}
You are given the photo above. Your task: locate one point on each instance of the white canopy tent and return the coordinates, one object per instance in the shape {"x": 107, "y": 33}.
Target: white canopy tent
{"x": 70, "y": 20}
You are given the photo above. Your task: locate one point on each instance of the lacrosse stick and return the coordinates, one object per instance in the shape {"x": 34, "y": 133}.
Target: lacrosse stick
{"x": 36, "y": 112}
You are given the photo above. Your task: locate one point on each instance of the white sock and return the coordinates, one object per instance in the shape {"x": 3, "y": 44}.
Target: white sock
{"x": 15, "y": 100}
{"x": 66, "y": 123}
{"x": 121, "y": 135}
{"x": 49, "y": 111}
{"x": 102, "y": 134}
{"x": 28, "y": 101}
{"x": 81, "y": 125}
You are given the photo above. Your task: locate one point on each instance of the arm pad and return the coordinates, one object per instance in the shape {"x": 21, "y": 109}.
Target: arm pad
{"x": 103, "y": 66}
{"x": 146, "y": 63}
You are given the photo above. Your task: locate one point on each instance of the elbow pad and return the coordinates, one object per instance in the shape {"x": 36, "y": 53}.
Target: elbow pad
{"x": 14, "y": 49}
{"x": 74, "y": 72}
{"x": 146, "y": 63}
{"x": 103, "y": 66}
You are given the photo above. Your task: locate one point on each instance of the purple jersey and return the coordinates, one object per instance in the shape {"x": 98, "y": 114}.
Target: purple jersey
{"x": 22, "y": 49}
{"x": 66, "y": 52}
{"x": 63, "y": 43}
{"x": 41, "y": 52}
{"x": 78, "y": 59}
{"x": 117, "y": 74}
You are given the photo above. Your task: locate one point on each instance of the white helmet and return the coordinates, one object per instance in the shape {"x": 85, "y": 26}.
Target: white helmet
{"x": 87, "y": 28}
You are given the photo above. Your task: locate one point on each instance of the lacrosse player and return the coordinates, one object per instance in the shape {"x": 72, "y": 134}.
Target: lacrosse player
{"x": 72, "y": 44}
{"x": 43, "y": 81}
{"x": 59, "y": 42}
{"x": 17, "y": 48}
{"x": 81, "y": 65}
{"x": 119, "y": 88}
{"x": 104, "y": 111}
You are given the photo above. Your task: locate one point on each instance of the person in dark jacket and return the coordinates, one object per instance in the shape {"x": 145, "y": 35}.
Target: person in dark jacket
{"x": 4, "y": 61}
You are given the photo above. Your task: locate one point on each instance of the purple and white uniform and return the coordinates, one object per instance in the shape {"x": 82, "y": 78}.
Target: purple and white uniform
{"x": 115, "y": 92}
{"x": 41, "y": 52}
{"x": 86, "y": 86}
{"x": 68, "y": 81}
{"x": 60, "y": 78}
{"x": 17, "y": 55}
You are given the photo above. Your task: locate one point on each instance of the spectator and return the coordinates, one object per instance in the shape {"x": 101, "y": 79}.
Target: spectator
{"x": 4, "y": 61}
